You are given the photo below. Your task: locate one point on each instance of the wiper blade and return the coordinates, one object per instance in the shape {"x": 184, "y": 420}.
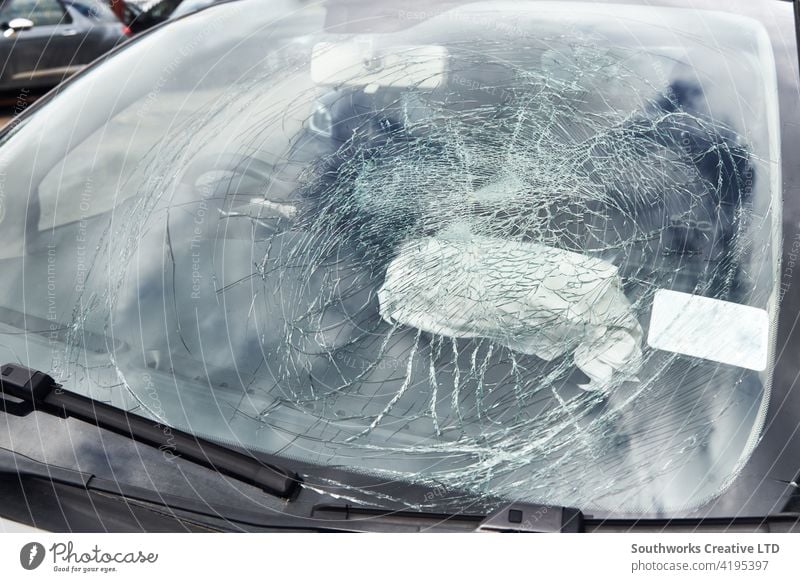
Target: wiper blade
{"x": 24, "y": 390}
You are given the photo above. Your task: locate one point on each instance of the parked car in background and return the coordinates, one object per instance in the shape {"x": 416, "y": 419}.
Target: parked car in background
{"x": 45, "y": 41}
{"x": 143, "y": 14}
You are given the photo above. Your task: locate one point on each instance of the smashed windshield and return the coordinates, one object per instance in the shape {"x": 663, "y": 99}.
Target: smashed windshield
{"x": 520, "y": 250}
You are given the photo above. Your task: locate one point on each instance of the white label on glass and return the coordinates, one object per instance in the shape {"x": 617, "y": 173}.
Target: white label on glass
{"x": 711, "y": 329}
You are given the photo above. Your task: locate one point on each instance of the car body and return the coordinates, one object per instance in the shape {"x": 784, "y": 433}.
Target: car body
{"x": 55, "y": 40}
{"x": 436, "y": 260}
{"x": 187, "y": 6}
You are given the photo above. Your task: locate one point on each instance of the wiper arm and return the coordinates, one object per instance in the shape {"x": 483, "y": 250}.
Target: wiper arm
{"x": 24, "y": 390}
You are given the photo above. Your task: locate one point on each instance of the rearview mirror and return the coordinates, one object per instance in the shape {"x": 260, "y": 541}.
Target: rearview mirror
{"x": 358, "y": 63}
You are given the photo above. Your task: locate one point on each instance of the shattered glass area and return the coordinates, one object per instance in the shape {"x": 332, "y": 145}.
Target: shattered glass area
{"x": 440, "y": 268}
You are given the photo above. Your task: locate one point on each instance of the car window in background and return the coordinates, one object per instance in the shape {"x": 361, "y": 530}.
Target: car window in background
{"x": 470, "y": 251}
{"x": 141, "y": 15}
{"x": 40, "y": 12}
{"x": 94, "y": 9}
{"x": 158, "y": 9}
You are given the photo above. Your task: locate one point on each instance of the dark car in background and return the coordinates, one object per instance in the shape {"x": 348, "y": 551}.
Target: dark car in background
{"x": 143, "y": 14}
{"x": 45, "y": 41}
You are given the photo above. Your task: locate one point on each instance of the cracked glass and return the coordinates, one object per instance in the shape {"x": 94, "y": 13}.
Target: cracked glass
{"x": 510, "y": 250}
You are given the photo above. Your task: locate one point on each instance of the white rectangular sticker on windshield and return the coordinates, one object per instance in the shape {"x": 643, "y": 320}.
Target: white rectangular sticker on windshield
{"x": 711, "y": 329}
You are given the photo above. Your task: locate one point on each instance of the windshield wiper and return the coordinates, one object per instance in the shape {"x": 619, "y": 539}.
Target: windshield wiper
{"x": 24, "y": 390}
